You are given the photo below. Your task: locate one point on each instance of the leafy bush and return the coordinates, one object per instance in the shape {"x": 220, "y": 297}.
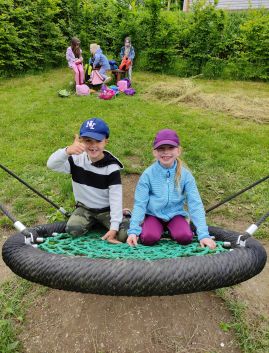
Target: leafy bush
{"x": 216, "y": 43}
{"x": 30, "y": 39}
{"x": 213, "y": 68}
{"x": 205, "y": 30}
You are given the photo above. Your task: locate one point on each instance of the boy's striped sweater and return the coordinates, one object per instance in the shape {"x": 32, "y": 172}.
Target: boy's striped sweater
{"x": 95, "y": 185}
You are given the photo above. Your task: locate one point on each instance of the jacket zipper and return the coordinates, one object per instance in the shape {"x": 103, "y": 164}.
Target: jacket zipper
{"x": 168, "y": 188}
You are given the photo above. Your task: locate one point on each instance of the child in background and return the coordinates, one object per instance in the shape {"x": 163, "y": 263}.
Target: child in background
{"x": 160, "y": 196}
{"x": 99, "y": 60}
{"x": 128, "y": 51}
{"x": 96, "y": 182}
{"x": 75, "y": 60}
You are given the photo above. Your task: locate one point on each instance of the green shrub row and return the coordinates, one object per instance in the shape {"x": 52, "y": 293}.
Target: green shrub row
{"x": 35, "y": 34}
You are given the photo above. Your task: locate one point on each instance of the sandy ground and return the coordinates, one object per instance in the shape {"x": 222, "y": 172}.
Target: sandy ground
{"x": 74, "y": 322}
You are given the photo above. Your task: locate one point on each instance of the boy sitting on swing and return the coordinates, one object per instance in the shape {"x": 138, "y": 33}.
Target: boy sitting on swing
{"x": 96, "y": 182}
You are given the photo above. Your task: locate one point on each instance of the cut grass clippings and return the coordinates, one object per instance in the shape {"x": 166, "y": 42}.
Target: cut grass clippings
{"x": 186, "y": 91}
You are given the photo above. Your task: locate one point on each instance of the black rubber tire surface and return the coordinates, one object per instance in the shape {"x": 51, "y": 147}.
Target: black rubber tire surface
{"x": 131, "y": 277}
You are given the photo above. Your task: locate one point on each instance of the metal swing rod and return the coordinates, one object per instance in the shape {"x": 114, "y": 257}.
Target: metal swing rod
{"x": 30, "y": 237}
{"x": 253, "y": 227}
{"x": 61, "y": 209}
{"x": 236, "y": 194}
{"x": 17, "y": 224}
{"x": 6, "y": 213}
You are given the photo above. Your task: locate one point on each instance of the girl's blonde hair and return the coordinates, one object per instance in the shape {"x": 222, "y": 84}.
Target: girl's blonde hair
{"x": 94, "y": 47}
{"x": 178, "y": 171}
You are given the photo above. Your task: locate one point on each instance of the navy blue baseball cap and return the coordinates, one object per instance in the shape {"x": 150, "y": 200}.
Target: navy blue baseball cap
{"x": 94, "y": 128}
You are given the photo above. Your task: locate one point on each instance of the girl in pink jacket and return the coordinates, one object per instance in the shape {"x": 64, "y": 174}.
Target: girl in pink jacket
{"x": 75, "y": 60}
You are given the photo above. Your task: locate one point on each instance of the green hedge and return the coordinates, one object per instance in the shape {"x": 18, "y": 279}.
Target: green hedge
{"x": 218, "y": 44}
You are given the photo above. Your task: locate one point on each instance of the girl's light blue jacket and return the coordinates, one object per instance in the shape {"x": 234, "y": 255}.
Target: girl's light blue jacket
{"x": 131, "y": 53}
{"x": 99, "y": 59}
{"x": 158, "y": 195}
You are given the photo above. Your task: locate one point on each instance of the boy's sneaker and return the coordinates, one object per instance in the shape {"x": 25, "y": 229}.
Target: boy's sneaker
{"x": 108, "y": 79}
{"x": 127, "y": 213}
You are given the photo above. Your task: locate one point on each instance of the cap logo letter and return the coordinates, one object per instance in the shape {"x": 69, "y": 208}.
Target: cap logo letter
{"x": 91, "y": 125}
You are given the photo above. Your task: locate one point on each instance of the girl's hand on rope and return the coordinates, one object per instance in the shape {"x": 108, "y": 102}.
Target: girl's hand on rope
{"x": 132, "y": 240}
{"x": 110, "y": 236}
{"x": 208, "y": 242}
{"x": 77, "y": 147}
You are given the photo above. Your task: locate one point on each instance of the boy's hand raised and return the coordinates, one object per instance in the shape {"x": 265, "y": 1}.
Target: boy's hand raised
{"x": 77, "y": 147}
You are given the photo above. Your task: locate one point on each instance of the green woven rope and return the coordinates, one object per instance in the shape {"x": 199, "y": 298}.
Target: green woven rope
{"x": 91, "y": 245}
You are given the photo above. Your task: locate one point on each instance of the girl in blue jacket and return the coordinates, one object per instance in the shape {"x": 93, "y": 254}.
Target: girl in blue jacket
{"x": 160, "y": 196}
{"x": 99, "y": 60}
{"x": 128, "y": 51}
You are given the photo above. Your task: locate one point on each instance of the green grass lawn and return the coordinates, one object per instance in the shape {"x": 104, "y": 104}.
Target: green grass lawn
{"x": 225, "y": 154}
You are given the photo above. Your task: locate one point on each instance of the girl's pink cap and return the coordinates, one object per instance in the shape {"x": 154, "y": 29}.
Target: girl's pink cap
{"x": 166, "y": 137}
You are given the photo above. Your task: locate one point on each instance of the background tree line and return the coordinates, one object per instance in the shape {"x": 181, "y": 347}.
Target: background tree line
{"x": 35, "y": 34}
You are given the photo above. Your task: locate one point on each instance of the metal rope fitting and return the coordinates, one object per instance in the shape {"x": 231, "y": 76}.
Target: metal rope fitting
{"x": 241, "y": 242}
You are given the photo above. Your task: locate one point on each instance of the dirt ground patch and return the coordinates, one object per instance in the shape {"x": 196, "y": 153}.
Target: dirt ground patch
{"x": 255, "y": 291}
{"x": 70, "y": 322}
{"x": 129, "y": 183}
{"x": 5, "y": 272}
{"x": 234, "y": 104}
{"x": 75, "y": 322}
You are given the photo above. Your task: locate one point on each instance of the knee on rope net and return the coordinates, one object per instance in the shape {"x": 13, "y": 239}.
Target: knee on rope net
{"x": 92, "y": 246}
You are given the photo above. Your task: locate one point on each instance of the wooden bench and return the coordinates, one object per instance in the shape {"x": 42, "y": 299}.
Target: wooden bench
{"x": 119, "y": 74}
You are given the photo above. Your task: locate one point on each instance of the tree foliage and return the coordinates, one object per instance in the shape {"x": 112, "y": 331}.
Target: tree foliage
{"x": 35, "y": 34}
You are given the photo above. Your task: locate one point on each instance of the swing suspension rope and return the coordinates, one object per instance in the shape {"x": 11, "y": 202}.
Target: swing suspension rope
{"x": 262, "y": 219}
{"x": 96, "y": 248}
{"x": 8, "y": 214}
{"x": 60, "y": 209}
{"x": 18, "y": 225}
{"x": 236, "y": 194}
{"x": 253, "y": 227}
{"x": 67, "y": 214}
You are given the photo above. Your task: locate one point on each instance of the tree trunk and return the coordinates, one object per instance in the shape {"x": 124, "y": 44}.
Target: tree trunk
{"x": 168, "y": 5}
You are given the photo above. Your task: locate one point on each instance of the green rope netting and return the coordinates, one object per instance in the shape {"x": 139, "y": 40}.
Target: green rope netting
{"x": 92, "y": 246}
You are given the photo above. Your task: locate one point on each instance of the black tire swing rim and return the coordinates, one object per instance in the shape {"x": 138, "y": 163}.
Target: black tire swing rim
{"x": 134, "y": 277}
